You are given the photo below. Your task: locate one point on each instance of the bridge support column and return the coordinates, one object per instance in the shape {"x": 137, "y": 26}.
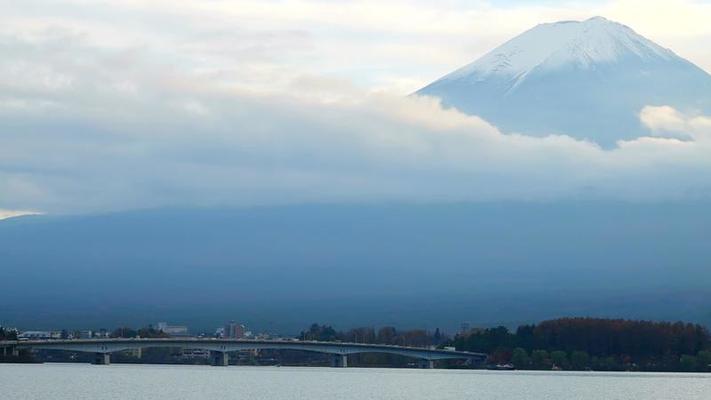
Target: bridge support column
{"x": 427, "y": 364}
{"x": 339, "y": 361}
{"x": 473, "y": 362}
{"x": 102, "y": 358}
{"x": 220, "y": 359}
{"x": 15, "y": 352}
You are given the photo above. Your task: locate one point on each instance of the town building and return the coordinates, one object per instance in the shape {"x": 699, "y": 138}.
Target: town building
{"x": 234, "y": 330}
{"x": 172, "y": 330}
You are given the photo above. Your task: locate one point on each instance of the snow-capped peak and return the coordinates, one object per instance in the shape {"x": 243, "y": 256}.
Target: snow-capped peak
{"x": 585, "y": 79}
{"x": 581, "y": 44}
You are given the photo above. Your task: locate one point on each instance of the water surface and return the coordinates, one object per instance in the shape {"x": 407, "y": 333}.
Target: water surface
{"x": 158, "y": 382}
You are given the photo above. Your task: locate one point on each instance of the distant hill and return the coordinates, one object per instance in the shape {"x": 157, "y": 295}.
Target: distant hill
{"x": 407, "y": 265}
{"x": 587, "y": 79}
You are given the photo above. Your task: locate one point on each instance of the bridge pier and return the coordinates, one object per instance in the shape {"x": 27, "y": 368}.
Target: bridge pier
{"x": 220, "y": 359}
{"x": 473, "y": 362}
{"x": 102, "y": 358}
{"x": 339, "y": 361}
{"x": 15, "y": 352}
{"x": 427, "y": 364}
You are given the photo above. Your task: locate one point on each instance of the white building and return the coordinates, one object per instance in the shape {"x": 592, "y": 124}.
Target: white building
{"x": 172, "y": 330}
{"x": 36, "y": 335}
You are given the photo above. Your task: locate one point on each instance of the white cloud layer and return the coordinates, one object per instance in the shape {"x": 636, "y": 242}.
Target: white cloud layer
{"x": 5, "y": 214}
{"x": 393, "y": 45}
{"x": 128, "y": 105}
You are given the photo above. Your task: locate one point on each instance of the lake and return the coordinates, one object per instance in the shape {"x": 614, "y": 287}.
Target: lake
{"x": 172, "y": 382}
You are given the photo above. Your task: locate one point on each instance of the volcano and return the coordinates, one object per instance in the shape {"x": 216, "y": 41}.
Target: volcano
{"x": 585, "y": 79}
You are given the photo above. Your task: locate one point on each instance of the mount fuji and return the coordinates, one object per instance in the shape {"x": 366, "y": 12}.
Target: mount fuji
{"x": 587, "y": 79}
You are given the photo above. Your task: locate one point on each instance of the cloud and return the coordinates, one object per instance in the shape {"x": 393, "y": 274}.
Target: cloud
{"x": 5, "y": 214}
{"x": 666, "y": 121}
{"x": 396, "y": 45}
{"x": 91, "y": 121}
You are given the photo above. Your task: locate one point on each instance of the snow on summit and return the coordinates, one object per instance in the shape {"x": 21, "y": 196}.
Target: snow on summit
{"x": 587, "y": 79}
{"x": 584, "y": 44}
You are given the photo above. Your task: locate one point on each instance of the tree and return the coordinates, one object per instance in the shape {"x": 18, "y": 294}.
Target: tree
{"x": 437, "y": 337}
{"x": 525, "y": 337}
{"x": 414, "y": 338}
{"x": 387, "y": 335}
{"x": 579, "y": 360}
{"x": 320, "y": 332}
{"x": 597, "y": 343}
{"x": 559, "y": 359}
{"x": 502, "y": 355}
{"x": 519, "y": 358}
{"x": 8, "y": 334}
{"x": 687, "y": 363}
{"x": 360, "y": 335}
{"x": 605, "y": 364}
{"x": 151, "y": 332}
{"x": 124, "y": 332}
{"x": 540, "y": 359}
{"x": 703, "y": 360}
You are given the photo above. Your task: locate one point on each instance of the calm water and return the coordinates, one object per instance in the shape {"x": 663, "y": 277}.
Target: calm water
{"x": 81, "y": 381}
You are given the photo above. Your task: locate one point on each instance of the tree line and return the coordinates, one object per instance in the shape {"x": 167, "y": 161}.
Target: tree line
{"x": 8, "y": 334}
{"x": 594, "y": 343}
{"x": 385, "y": 335}
{"x": 145, "y": 332}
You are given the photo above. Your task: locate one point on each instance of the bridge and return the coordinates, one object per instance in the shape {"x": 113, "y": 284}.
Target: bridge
{"x": 220, "y": 348}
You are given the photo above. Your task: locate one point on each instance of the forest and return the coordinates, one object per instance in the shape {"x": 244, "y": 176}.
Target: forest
{"x": 594, "y": 344}
{"x": 576, "y": 344}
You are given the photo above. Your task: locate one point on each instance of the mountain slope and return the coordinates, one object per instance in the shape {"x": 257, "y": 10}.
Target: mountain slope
{"x": 586, "y": 79}
{"x": 430, "y": 266}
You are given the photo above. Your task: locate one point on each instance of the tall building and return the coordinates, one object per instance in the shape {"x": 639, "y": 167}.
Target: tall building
{"x": 234, "y": 330}
{"x": 85, "y": 334}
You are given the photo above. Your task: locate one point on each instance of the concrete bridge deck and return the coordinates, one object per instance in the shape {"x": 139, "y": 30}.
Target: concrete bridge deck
{"x": 220, "y": 348}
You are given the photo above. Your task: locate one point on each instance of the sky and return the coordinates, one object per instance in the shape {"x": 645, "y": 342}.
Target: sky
{"x": 124, "y": 104}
